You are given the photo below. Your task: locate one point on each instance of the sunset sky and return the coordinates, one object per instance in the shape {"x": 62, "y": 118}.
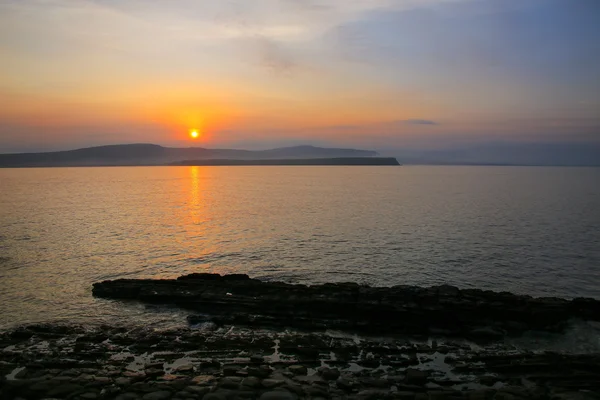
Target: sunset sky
{"x": 379, "y": 74}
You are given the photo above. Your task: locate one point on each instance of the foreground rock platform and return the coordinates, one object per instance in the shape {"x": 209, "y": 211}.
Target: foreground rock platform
{"x": 439, "y": 310}
{"x": 70, "y": 362}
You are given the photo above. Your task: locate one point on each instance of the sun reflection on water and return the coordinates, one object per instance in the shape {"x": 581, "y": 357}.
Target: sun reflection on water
{"x": 195, "y": 203}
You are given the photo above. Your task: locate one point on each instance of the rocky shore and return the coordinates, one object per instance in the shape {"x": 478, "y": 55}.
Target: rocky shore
{"x": 70, "y": 362}
{"x": 275, "y": 341}
{"x": 440, "y": 310}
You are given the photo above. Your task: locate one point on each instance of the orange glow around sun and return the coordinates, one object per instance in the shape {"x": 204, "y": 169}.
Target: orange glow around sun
{"x": 194, "y": 134}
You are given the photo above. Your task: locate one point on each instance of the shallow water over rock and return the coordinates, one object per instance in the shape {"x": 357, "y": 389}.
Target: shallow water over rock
{"x": 106, "y": 363}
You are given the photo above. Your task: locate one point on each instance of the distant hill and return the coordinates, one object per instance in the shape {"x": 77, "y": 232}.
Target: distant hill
{"x": 151, "y": 154}
{"x": 297, "y": 161}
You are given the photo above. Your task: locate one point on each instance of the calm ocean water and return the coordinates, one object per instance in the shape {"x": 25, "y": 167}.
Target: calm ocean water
{"x": 527, "y": 230}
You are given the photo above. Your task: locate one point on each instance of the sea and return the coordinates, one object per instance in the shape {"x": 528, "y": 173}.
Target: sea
{"x": 527, "y": 230}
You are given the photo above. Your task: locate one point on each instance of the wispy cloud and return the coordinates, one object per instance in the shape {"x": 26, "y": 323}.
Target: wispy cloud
{"x": 419, "y": 122}
{"x": 273, "y": 57}
{"x": 347, "y": 70}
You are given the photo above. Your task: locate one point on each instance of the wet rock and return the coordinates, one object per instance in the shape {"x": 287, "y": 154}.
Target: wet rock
{"x": 549, "y": 375}
{"x": 159, "y": 395}
{"x": 399, "y": 309}
{"x": 415, "y": 376}
{"x": 212, "y": 364}
{"x": 260, "y": 372}
{"x": 204, "y": 276}
{"x": 230, "y": 370}
{"x": 345, "y": 384}
{"x": 488, "y": 380}
{"x": 441, "y": 395}
{"x": 230, "y": 382}
{"x": 271, "y": 383}
{"x": 278, "y": 395}
{"x": 404, "y": 395}
{"x": 21, "y": 333}
{"x": 64, "y": 390}
{"x": 310, "y": 379}
{"x": 395, "y": 379}
{"x": 449, "y": 360}
{"x": 184, "y": 369}
{"x": 329, "y": 374}
{"x": 183, "y": 395}
{"x": 298, "y": 369}
{"x": 316, "y": 390}
{"x": 128, "y": 396}
{"x": 374, "y": 394}
{"x": 103, "y": 380}
{"x": 203, "y": 379}
{"x": 40, "y": 386}
{"x": 479, "y": 395}
{"x": 504, "y": 396}
{"x": 22, "y": 374}
{"x": 218, "y": 395}
{"x": 122, "y": 381}
{"x": 246, "y": 394}
{"x": 413, "y": 359}
{"x": 293, "y": 388}
{"x": 375, "y": 382}
{"x": 197, "y": 390}
{"x": 257, "y": 358}
{"x": 486, "y": 333}
{"x": 251, "y": 382}
{"x": 145, "y": 387}
{"x": 370, "y": 362}
{"x": 84, "y": 378}
{"x": 154, "y": 372}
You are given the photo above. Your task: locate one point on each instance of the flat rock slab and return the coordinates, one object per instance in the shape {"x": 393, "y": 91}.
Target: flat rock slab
{"x": 445, "y": 310}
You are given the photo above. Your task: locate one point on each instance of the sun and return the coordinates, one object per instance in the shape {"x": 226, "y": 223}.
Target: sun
{"x": 194, "y": 134}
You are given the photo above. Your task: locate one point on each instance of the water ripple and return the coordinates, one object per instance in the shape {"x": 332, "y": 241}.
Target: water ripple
{"x": 528, "y": 230}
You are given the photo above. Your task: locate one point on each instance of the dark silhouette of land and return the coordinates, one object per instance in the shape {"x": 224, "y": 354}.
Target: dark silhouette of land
{"x": 297, "y": 161}
{"x": 151, "y": 154}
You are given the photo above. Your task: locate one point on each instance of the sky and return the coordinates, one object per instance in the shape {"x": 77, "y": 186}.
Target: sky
{"x": 377, "y": 74}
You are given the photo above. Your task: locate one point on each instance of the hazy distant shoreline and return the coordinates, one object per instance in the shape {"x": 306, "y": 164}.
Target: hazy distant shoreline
{"x": 306, "y": 161}
{"x": 358, "y": 161}
{"x": 153, "y": 155}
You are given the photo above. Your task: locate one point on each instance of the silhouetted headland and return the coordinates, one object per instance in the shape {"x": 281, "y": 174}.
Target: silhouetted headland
{"x": 151, "y": 154}
{"x": 299, "y": 161}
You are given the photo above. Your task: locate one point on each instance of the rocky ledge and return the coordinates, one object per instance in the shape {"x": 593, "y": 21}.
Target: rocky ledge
{"x": 70, "y": 362}
{"x": 439, "y": 310}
